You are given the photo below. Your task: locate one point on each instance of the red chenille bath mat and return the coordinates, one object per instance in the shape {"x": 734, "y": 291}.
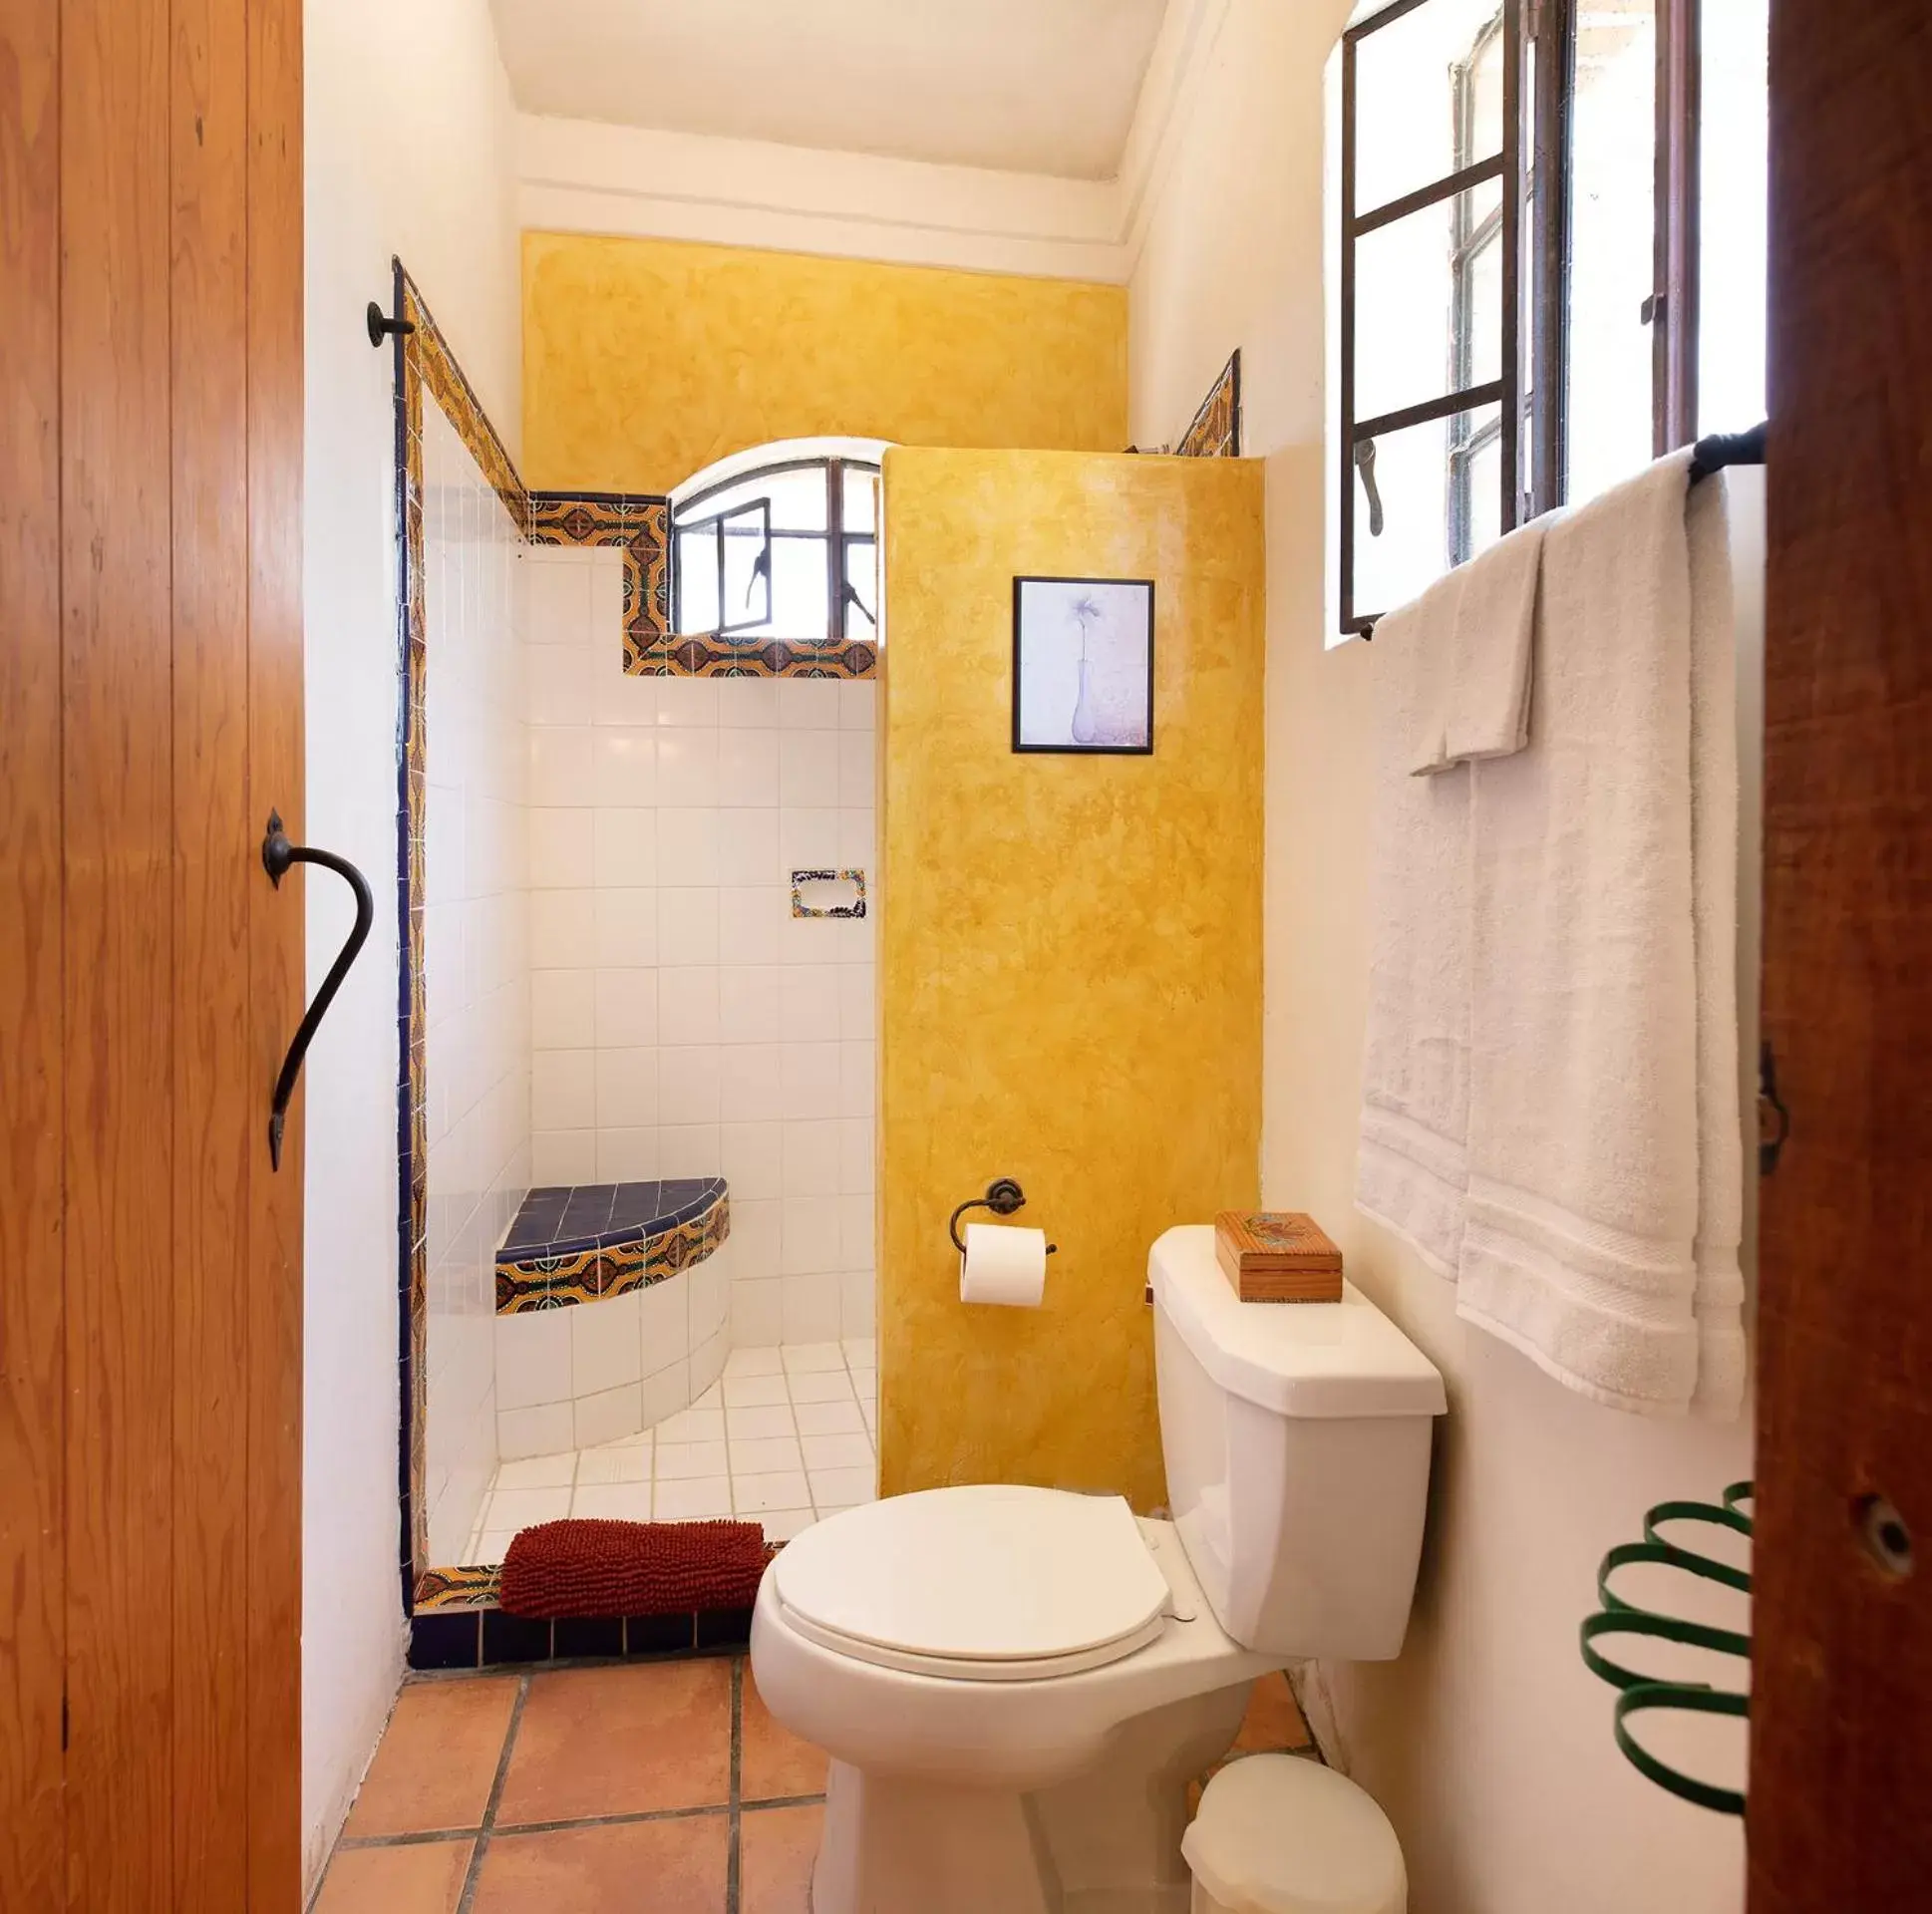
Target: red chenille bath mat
{"x": 590, "y": 1567}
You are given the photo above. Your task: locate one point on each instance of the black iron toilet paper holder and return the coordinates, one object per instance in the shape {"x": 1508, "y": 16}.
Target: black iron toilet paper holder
{"x": 1003, "y": 1197}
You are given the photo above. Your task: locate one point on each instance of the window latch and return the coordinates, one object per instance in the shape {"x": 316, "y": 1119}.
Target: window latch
{"x": 1365, "y": 464}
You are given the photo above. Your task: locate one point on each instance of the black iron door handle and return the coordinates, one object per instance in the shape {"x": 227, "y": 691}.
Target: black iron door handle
{"x": 277, "y": 853}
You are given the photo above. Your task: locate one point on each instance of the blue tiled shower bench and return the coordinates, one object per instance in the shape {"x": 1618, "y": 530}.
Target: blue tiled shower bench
{"x": 598, "y": 1240}
{"x": 611, "y": 1308}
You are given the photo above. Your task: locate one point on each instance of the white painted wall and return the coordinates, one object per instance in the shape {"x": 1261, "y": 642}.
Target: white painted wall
{"x": 685, "y": 1024}
{"x": 1488, "y": 1741}
{"x": 477, "y": 973}
{"x": 584, "y": 176}
{"x": 580, "y": 176}
{"x": 407, "y": 150}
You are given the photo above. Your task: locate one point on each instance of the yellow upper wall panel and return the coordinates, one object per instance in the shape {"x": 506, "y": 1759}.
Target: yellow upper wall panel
{"x": 644, "y": 360}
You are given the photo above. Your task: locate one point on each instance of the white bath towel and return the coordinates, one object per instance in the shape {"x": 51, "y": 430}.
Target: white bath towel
{"x": 1595, "y": 1015}
{"x": 1409, "y": 1169}
{"x": 1475, "y": 688}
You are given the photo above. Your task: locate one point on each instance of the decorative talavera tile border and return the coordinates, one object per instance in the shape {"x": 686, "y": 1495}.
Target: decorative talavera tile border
{"x": 1215, "y": 432}
{"x": 765, "y": 658}
{"x": 448, "y": 1588}
{"x": 640, "y": 528}
{"x": 595, "y": 1272}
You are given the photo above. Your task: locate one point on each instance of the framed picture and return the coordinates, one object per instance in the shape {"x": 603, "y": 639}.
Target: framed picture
{"x": 1083, "y": 665}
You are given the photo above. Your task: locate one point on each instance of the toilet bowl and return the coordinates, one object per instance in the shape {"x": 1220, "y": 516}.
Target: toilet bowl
{"x": 1051, "y": 1780}
{"x": 1015, "y": 1684}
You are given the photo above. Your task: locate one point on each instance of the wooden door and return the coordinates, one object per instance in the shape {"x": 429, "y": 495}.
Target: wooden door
{"x": 1841, "y": 1815}
{"x": 150, "y": 394}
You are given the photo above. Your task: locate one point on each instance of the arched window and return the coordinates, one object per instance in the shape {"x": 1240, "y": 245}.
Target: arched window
{"x": 781, "y": 542}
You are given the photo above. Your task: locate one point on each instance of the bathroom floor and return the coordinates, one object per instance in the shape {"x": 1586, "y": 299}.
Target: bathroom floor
{"x": 598, "y": 1789}
{"x": 783, "y": 1437}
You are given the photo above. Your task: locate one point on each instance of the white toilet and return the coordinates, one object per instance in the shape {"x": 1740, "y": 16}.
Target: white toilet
{"x": 1016, "y": 1685}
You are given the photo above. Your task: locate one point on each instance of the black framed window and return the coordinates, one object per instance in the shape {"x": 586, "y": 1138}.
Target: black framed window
{"x": 1429, "y": 357}
{"x": 785, "y": 551}
{"x": 1562, "y": 207}
{"x": 1475, "y": 267}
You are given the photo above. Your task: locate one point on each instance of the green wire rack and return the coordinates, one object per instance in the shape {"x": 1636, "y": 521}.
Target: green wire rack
{"x": 1617, "y": 1616}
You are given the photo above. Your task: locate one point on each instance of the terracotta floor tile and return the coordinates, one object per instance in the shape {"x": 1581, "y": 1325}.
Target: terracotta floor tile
{"x": 397, "y": 1880}
{"x": 621, "y": 1740}
{"x": 1273, "y": 1722}
{"x": 777, "y": 1847}
{"x": 774, "y": 1762}
{"x": 668, "y": 1867}
{"x": 437, "y": 1760}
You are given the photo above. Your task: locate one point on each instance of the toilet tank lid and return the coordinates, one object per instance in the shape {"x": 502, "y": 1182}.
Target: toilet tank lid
{"x": 1296, "y": 1358}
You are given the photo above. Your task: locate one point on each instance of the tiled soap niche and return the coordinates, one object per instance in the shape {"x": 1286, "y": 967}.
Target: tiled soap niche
{"x": 684, "y": 1020}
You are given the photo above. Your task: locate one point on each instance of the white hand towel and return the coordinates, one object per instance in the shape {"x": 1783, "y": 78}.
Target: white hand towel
{"x": 1586, "y": 1172}
{"x": 1475, "y": 688}
{"x": 1409, "y": 1169}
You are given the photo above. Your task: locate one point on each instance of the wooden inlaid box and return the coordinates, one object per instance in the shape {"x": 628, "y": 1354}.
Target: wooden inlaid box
{"x": 1277, "y": 1256}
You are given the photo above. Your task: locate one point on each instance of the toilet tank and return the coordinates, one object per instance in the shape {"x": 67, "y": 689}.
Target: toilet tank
{"x": 1296, "y": 1439}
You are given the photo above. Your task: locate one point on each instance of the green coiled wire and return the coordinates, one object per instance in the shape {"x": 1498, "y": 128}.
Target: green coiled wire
{"x": 1617, "y": 1616}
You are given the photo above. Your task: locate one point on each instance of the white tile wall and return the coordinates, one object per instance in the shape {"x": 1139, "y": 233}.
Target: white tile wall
{"x": 683, "y": 1022}
{"x": 480, "y": 1083}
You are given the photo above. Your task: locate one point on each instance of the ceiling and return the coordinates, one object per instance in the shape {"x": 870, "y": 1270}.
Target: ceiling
{"x": 1025, "y": 86}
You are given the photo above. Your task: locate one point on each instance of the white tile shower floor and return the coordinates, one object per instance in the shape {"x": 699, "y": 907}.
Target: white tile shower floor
{"x": 783, "y": 1437}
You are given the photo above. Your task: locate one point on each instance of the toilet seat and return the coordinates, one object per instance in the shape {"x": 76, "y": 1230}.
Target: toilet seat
{"x": 989, "y": 1583}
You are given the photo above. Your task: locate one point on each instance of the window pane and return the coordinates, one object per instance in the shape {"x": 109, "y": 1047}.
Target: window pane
{"x": 800, "y": 605}
{"x": 1732, "y": 164}
{"x": 748, "y": 581}
{"x": 861, "y": 501}
{"x": 1484, "y": 494}
{"x": 1428, "y": 304}
{"x": 1612, "y": 243}
{"x": 798, "y": 498}
{"x": 697, "y": 580}
{"x": 863, "y": 574}
{"x": 1413, "y": 476}
{"x": 1406, "y": 92}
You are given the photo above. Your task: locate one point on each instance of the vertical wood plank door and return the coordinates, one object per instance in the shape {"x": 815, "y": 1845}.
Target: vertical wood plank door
{"x": 33, "y": 1844}
{"x": 150, "y": 974}
{"x": 1841, "y": 1789}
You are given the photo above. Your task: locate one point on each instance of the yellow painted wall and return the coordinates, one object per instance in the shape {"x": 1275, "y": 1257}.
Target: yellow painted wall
{"x": 645, "y": 358}
{"x": 1069, "y": 954}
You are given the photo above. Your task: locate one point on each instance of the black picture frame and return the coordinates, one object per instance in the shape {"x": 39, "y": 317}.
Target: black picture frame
{"x": 1072, "y": 748}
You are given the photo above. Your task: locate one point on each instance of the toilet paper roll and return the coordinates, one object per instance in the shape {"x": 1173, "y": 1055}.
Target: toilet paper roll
{"x": 1002, "y": 1264}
